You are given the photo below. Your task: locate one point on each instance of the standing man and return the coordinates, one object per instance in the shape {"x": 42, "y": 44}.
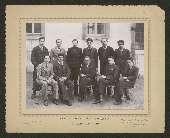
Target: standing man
{"x": 91, "y": 52}
{"x": 74, "y": 60}
{"x": 62, "y": 76}
{"x": 127, "y": 81}
{"x": 104, "y": 52}
{"x": 45, "y": 76}
{"x": 37, "y": 57}
{"x": 57, "y": 50}
{"x": 111, "y": 77}
{"x": 87, "y": 76}
{"x": 121, "y": 55}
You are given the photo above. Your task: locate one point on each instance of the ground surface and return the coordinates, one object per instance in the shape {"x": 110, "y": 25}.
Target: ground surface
{"x": 137, "y": 102}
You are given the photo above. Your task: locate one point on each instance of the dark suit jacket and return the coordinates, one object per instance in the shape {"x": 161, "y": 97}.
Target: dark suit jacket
{"x": 132, "y": 75}
{"x": 61, "y": 70}
{"x": 92, "y": 53}
{"x": 112, "y": 73}
{"x": 89, "y": 71}
{"x": 121, "y": 57}
{"x": 103, "y": 57}
{"x": 37, "y": 55}
{"x": 74, "y": 57}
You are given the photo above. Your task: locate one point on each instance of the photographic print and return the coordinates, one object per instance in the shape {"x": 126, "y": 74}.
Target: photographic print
{"x": 85, "y": 65}
{"x": 99, "y": 70}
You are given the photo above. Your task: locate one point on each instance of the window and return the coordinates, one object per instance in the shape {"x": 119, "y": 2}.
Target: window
{"x": 29, "y": 27}
{"x": 91, "y": 28}
{"x": 37, "y": 27}
{"x": 33, "y": 28}
{"x": 139, "y": 36}
{"x": 96, "y": 30}
{"x": 100, "y": 28}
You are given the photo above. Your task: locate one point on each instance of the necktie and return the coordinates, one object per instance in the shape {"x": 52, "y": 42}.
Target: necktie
{"x": 61, "y": 63}
{"x": 42, "y": 48}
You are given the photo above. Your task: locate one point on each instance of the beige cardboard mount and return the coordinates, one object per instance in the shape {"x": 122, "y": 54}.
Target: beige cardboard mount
{"x": 151, "y": 119}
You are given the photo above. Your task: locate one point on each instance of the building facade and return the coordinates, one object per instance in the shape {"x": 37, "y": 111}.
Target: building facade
{"x": 132, "y": 34}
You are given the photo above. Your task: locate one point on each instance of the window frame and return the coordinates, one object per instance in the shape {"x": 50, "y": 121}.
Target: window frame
{"x": 95, "y": 34}
{"x": 141, "y": 34}
{"x": 33, "y": 30}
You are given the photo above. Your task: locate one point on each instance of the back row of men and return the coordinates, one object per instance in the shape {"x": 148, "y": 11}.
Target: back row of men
{"x": 66, "y": 67}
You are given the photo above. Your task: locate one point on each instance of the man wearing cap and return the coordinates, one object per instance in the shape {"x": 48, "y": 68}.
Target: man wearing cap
{"x": 91, "y": 52}
{"x": 45, "y": 76}
{"x": 104, "y": 52}
{"x": 62, "y": 76}
{"x": 111, "y": 77}
{"x": 121, "y": 55}
{"x": 127, "y": 81}
{"x": 37, "y": 57}
{"x": 57, "y": 50}
{"x": 74, "y": 60}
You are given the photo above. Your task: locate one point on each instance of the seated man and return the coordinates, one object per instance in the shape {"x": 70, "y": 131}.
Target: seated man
{"x": 87, "y": 76}
{"x": 111, "y": 78}
{"x": 62, "y": 76}
{"x": 127, "y": 81}
{"x": 45, "y": 77}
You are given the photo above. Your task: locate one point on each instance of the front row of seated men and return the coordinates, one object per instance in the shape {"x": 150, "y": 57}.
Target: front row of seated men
{"x": 58, "y": 76}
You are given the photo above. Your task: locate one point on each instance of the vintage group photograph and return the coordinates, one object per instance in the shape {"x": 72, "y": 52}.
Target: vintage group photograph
{"x": 89, "y": 64}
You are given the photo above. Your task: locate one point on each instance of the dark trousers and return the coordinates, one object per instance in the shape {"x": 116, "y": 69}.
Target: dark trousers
{"x": 123, "y": 89}
{"x": 101, "y": 85}
{"x": 74, "y": 77}
{"x": 65, "y": 90}
{"x": 84, "y": 83}
{"x": 122, "y": 66}
{"x": 102, "y": 68}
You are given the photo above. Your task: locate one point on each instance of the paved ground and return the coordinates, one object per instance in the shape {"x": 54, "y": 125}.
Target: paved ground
{"x": 137, "y": 102}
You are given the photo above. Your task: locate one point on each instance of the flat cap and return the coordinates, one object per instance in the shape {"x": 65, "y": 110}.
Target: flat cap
{"x": 89, "y": 39}
{"x": 120, "y": 42}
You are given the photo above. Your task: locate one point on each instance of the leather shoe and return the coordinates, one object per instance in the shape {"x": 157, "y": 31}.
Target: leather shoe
{"x": 97, "y": 101}
{"x": 67, "y": 102}
{"x": 117, "y": 102}
{"x": 56, "y": 101}
{"x": 46, "y": 103}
